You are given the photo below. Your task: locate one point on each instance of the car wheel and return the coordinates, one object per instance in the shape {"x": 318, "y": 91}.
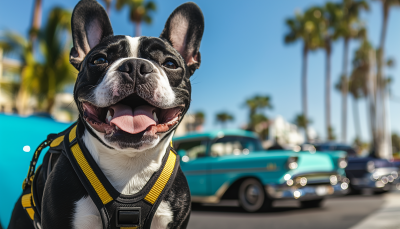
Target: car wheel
{"x": 252, "y": 196}
{"x": 354, "y": 191}
{"x": 380, "y": 192}
{"x": 196, "y": 205}
{"x": 311, "y": 203}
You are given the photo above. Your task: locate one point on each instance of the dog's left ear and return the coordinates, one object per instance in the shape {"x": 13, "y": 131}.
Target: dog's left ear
{"x": 184, "y": 30}
{"x": 90, "y": 24}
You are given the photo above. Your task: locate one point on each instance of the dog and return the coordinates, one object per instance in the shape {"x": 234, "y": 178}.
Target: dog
{"x": 131, "y": 93}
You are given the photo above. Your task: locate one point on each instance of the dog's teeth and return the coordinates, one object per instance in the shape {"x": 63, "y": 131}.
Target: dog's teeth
{"x": 109, "y": 117}
{"x": 116, "y": 127}
{"x": 155, "y": 116}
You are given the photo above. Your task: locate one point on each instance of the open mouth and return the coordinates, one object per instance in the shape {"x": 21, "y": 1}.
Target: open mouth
{"x": 132, "y": 115}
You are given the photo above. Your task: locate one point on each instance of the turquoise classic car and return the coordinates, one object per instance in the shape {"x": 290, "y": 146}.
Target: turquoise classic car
{"x": 19, "y": 137}
{"x": 231, "y": 164}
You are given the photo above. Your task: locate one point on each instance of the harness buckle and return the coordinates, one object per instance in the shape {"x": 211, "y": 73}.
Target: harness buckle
{"x": 128, "y": 217}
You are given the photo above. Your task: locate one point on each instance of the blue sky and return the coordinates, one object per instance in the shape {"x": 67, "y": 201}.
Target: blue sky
{"x": 243, "y": 54}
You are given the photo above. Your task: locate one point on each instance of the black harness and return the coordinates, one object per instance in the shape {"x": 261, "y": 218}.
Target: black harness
{"x": 116, "y": 210}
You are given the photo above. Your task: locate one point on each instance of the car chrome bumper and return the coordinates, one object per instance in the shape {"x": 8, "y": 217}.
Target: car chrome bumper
{"x": 379, "y": 179}
{"x": 307, "y": 192}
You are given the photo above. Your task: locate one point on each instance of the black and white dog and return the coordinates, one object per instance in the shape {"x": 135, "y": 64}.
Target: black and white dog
{"x": 131, "y": 93}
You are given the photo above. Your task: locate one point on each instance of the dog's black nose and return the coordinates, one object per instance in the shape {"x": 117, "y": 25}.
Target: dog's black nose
{"x": 136, "y": 67}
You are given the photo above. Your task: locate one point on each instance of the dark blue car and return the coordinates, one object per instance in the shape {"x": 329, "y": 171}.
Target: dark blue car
{"x": 365, "y": 173}
{"x": 368, "y": 173}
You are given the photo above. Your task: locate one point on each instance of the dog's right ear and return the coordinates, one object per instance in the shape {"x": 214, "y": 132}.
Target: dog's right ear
{"x": 184, "y": 30}
{"x": 90, "y": 24}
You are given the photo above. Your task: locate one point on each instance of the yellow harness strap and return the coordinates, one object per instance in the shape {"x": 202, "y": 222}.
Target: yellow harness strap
{"x": 105, "y": 197}
{"x": 56, "y": 142}
{"x": 27, "y": 200}
{"x": 88, "y": 171}
{"x": 27, "y": 205}
{"x": 162, "y": 180}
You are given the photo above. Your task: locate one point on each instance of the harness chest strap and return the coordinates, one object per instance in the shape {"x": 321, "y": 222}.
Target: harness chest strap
{"x": 129, "y": 217}
{"x": 109, "y": 200}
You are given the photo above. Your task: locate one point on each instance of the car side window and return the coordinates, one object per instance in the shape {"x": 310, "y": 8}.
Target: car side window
{"x": 194, "y": 149}
{"x": 232, "y": 145}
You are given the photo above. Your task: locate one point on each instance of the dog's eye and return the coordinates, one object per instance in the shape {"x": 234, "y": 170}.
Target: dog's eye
{"x": 169, "y": 64}
{"x": 100, "y": 60}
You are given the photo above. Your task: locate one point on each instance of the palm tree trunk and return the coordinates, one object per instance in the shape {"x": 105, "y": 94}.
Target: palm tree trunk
{"x": 328, "y": 91}
{"x": 108, "y": 7}
{"x": 383, "y": 149}
{"x": 356, "y": 116}
{"x": 50, "y": 104}
{"x": 23, "y": 96}
{"x": 345, "y": 89}
{"x": 138, "y": 29}
{"x": 372, "y": 96}
{"x": 36, "y": 20}
{"x": 304, "y": 89}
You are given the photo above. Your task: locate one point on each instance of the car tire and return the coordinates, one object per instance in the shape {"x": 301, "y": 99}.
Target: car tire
{"x": 196, "y": 205}
{"x": 311, "y": 203}
{"x": 252, "y": 197}
{"x": 380, "y": 192}
{"x": 354, "y": 191}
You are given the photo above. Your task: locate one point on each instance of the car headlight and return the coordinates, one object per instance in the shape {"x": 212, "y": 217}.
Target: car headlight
{"x": 370, "y": 166}
{"x": 342, "y": 162}
{"x": 292, "y": 163}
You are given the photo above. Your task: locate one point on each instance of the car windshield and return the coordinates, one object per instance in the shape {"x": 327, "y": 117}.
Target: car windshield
{"x": 235, "y": 145}
{"x": 193, "y": 149}
{"x": 348, "y": 149}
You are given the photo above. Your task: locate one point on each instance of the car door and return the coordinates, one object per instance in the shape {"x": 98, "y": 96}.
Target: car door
{"x": 226, "y": 155}
{"x": 195, "y": 164}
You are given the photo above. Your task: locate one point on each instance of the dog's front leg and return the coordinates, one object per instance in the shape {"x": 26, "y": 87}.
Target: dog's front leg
{"x": 86, "y": 215}
{"x": 162, "y": 217}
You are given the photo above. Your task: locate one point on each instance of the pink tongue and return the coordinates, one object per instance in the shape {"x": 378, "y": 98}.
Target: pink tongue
{"x": 133, "y": 122}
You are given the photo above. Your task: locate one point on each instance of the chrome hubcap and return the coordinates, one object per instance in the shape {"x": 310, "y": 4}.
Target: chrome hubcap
{"x": 252, "y": 194}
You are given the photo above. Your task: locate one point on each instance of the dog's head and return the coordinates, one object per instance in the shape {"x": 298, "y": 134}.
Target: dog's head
{"x": 132, "y": 92}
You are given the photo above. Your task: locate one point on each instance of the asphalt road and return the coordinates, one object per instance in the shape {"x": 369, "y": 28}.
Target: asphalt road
{"x": 336, "y": 213}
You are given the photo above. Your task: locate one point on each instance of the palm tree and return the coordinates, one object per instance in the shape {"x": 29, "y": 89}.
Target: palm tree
{"x": 386, "y": 5}
{"x": 139, "y": 11}
{"x": 330, "y": 15}
{"x": 45, "y": 77}
{"x": 36, "y": 21}
{"x": 199, "y": 118}
{"x": 57, "y": 71}
{"x": 358, "y": 86}
{"x": 327, "y": 46}
{"x": 258, "y": 122}
{"x": 305, "y": 27}
{"x": 348, "y": 27}
{"x": 383, "y": 134}
{"x": 302, "y": 122}
{"x": 257, "y": 104}
{"x": 223, "y": 118}
{"x": 108, "y": 6}
{"x": 20, "y": 47}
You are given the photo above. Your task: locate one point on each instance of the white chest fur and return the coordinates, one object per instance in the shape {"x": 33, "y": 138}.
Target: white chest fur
{"x": 128, "y": 173}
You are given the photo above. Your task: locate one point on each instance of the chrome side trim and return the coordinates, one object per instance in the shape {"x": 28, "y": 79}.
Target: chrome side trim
{"x": 216, "y": 171}
{"x": 214, "y": 199}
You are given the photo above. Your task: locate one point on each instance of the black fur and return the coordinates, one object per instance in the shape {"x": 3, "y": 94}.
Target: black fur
{"x": 93, "y": 36}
